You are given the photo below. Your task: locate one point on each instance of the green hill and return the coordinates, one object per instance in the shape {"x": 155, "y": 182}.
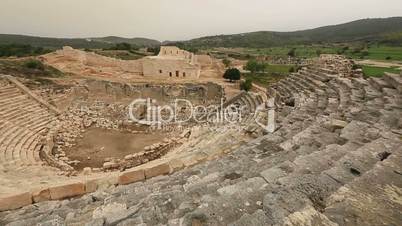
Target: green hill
{"x": 6, "y": 39}
{"x": 388, "y": 30}
{"x": 132, "y": 41}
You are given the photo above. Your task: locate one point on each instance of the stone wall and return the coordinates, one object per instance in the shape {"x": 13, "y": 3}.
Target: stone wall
{"x": 111, "y": 92}
{"x": 170, "y": 68}
{"x": 173, "y": 51}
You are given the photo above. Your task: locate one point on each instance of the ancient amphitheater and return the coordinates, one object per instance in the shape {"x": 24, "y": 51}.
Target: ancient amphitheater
{"x": 333, "y": 158}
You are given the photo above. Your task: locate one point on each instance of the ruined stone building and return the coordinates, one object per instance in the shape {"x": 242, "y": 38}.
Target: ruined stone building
{"x": 172, "y": 62}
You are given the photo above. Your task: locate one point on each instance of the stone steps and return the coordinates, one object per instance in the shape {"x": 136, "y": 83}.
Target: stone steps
{"x": 9, "y": 92}
{"x": 13, "y": 99}
{"x": 393, "y": 80}
{"x": 22, "y": 121}
{"x": 316, "y": 176}
{"x": 357, "y": 202}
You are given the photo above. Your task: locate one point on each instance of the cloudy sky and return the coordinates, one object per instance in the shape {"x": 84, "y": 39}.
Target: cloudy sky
{"x": 180, "y": 19}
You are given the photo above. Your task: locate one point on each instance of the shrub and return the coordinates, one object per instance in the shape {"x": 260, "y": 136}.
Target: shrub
{"x": 292, "y": 52}
{"x": 34, "y": 64}
{"x": 292, "y": 69}
{"x": 388, "y": 58}
{"x": 232, "y": 74}
{"x": 365, "y": 53}
{"x": 226, "y": 62}
{"x": 254, "y": 66}
{"x": 356, "y": 66}
{"x": 21, "y": 50}
{"x": 246, "y": 85}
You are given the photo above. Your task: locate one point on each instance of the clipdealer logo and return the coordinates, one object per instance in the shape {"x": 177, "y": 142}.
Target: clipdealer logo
{"x": 183, "y": 111}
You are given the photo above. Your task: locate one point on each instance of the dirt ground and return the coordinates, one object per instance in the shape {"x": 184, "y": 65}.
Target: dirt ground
{"x": 380, "y": 63}
{"x": 98, "y": 144}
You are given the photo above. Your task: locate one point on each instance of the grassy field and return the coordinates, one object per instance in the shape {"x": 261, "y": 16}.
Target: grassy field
{"x": 273, "y": 74}
{"x": 301, "y": 51}
{"x": 374, "y": 52}
{"x": 382, "y": 52}
{"x": 370, "y": 71}
{"x": 264, "y": 80}
{"x": 279, "y": 68}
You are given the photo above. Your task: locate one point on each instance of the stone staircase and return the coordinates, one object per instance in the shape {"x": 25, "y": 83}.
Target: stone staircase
{"x": 23, "y": 123}
{"x": 334, "y": 160}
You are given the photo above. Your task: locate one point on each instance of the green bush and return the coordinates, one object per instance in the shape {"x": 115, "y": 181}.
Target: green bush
{"x": 34, "y": 64}
{"x": 356, "y": 66}
{"x": 19, "y": 50}
{"x": 246, "y": 85}
{"x": 254, "y": 66}
{"x": 292, "y": 52}
{"x": 292, "y": 69}
{"x": 232, "y": 74}
{"x": 226, "y": 62}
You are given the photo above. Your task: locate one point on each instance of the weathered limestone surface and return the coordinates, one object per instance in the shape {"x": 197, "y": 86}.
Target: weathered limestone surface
{"x": 335, "y": 159}
{"x": 66, "y": 191}
{"x": 15, "y": 201}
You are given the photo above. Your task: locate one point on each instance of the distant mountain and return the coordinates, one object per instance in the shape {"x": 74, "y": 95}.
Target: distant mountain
{"x": 382, "y": 30}
{"x": 387, "y": 30}
{"x": 75, "y": 42}
{"x": 132, "y": 41}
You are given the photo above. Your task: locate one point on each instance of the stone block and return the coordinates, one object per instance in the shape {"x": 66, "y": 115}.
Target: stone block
{"x": 15, "y": 201}
{"x": 161, "y": 169}
{"x": 176, "y": 165}
{"x": 194, "y": 159}
{"x": 131, "y": 176}
{"x": 272, "y": 174}
{"x": 338, "y": 124}
{"x": 41, "y": 195}
{"x": 67, "y": 191}
{"x": 91, "y": 186}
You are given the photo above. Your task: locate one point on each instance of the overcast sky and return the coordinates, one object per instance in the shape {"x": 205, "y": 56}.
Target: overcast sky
{"x": 180, "y": 19}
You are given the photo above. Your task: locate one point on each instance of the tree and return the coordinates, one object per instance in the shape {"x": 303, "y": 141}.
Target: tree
{"x": 123, "y": 46}
{"x": 261, "y": 67}
{"x": 246, "y": 85}
{"x": 318, "y": 52}
{"x": 34, "y": 64}
{"x": 292, "y": 52}
{"x": 251, "y": 66}
{"x": 232, "y": 74}
{"x": 254, "y": 66}
{"x": 154, "y": 50}
{"x": 226, "y": 62}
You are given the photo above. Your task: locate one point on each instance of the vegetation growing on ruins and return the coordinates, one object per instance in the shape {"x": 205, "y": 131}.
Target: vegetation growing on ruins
{"x": 34, "y": 64}
{"x": 247, "y": 84}
{"x": 226, "y": 62}
{"x": 29, "y": 68}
